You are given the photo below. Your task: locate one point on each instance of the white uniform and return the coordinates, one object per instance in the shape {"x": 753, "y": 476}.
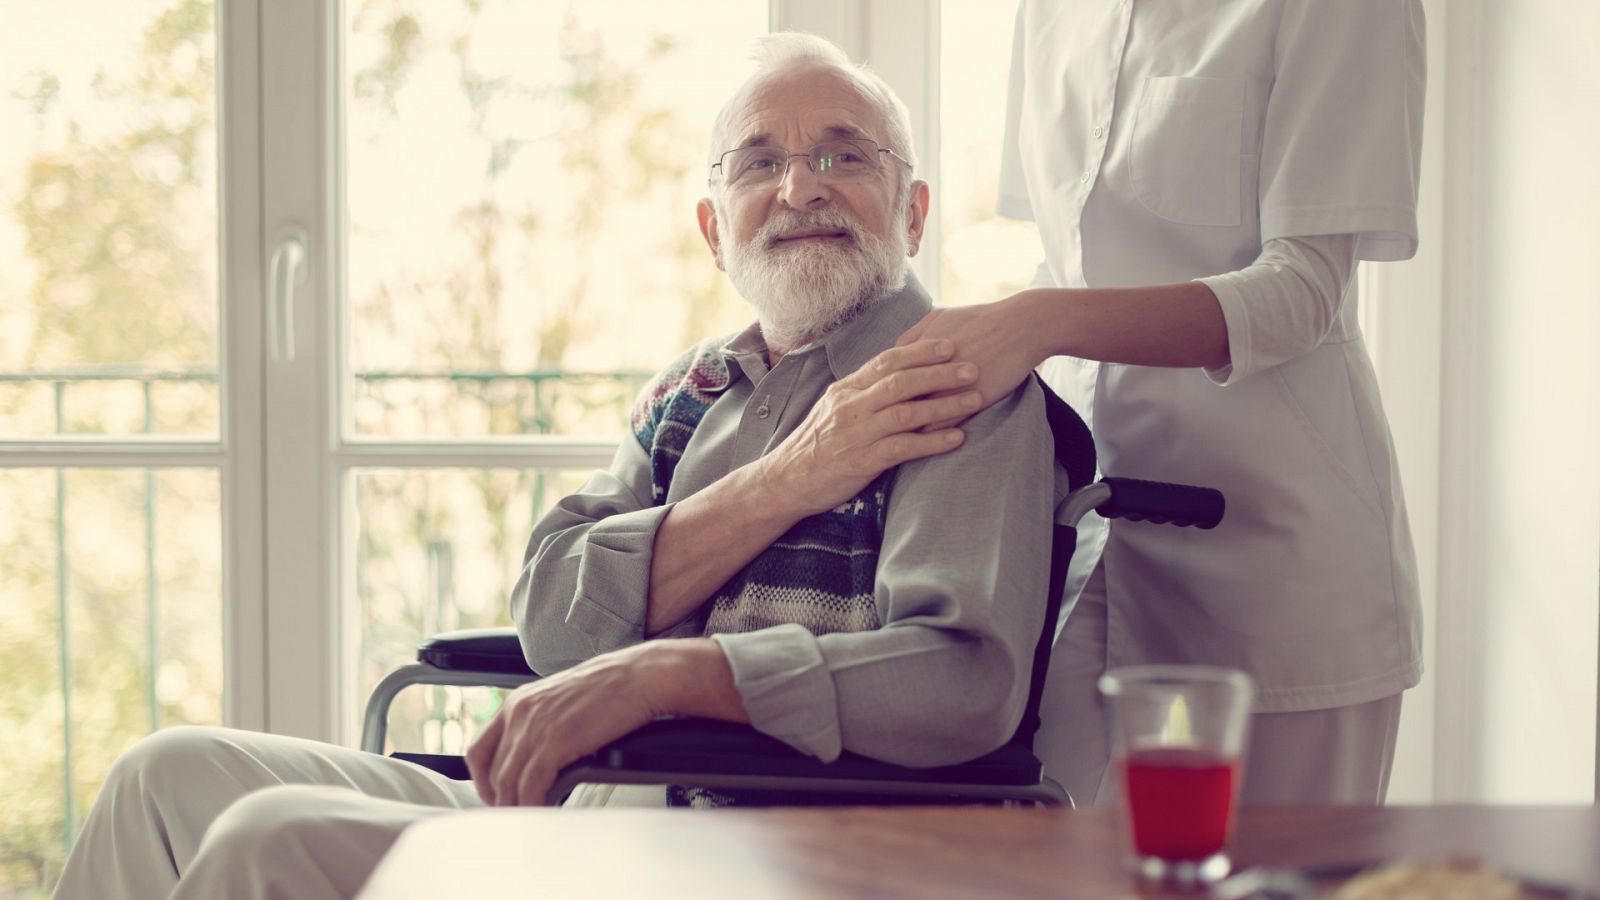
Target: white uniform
{"x": 1263, "y": 147}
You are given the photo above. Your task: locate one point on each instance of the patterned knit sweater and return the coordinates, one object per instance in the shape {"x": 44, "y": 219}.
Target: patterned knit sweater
{"x": 820, "y": 574}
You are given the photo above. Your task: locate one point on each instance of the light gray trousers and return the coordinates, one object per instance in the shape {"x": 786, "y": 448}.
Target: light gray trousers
{"x": 1340, "y": 755}
{"x": 191, "y": 813}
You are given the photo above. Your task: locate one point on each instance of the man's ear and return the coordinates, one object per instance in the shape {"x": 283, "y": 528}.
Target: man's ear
{"x": 706, "y": 212}
{"x": 916, "y": 216}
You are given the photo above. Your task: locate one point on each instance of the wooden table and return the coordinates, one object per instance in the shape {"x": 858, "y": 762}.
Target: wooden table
{"x": 928, "y": 852}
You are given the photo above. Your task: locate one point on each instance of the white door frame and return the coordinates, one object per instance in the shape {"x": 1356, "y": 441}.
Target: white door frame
{"x": 244, "y": 658}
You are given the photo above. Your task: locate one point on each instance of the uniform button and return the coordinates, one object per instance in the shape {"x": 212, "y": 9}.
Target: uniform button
{"x": 762, "y": 412}
{"x": 1098, "y": 131}
{"x": 1084, "y": 178}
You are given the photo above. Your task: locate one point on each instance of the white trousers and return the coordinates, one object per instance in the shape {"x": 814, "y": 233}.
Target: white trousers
{"x": 215, "y": 812}
{"x": 1338, "y": 755}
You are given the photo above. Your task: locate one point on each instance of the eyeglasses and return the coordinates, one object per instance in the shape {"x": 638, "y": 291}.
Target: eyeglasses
{"x": 841, "y": 160}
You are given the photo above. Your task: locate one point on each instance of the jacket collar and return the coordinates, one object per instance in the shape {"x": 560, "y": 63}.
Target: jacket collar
{"x": 848, "y": 346}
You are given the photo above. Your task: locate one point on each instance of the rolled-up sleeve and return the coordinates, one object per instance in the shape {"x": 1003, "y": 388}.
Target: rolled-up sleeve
{"x": 960, "y": 590}
{"x": 1283, "y": 305}
{"x": 586, "y": 574}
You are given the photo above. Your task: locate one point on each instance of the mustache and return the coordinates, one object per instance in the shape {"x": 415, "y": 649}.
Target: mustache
{"x": 785, "y": 222}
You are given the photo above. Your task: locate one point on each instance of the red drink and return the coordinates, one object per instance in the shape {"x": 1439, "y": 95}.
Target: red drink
{"x": 1180, "y": 800}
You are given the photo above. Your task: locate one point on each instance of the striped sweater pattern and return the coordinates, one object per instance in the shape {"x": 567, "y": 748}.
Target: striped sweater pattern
{"x": 820, "y": 574}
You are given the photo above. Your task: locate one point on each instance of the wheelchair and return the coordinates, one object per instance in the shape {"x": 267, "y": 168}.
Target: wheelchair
{"x": 727, "y": 757}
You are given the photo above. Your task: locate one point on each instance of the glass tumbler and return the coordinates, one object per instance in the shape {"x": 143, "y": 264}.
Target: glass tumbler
{"x": 1178, "y": 738}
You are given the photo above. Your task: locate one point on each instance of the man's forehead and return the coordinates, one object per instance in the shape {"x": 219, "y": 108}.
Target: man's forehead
{"x": 818, "y": 104}
{"x": 771, "y": 130}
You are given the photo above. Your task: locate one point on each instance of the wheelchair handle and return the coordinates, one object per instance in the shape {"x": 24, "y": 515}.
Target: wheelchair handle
{"x": 1183, "y": 505}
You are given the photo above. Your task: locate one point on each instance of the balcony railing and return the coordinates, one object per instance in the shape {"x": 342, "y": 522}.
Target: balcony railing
{"x": 530, "y": 393}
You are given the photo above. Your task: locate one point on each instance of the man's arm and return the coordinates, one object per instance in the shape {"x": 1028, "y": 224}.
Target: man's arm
{"x": 605, "y": 568}
{"x": 588, "y": 559}
{"x": 544, "y": 726}
{"x": 866, "y": 423}
{"x": 960, "y": 590}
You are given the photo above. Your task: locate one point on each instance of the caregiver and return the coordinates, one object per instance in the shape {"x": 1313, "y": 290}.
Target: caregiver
{"x": 1205, "y": 176}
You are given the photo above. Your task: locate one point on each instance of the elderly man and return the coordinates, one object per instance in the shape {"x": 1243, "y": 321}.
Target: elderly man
{"x": 787, "y": 508}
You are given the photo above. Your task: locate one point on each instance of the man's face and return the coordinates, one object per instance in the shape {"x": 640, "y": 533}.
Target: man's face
{"x": 804, "y": 250}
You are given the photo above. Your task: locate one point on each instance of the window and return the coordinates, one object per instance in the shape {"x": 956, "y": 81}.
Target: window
{"x": 983, "y": 257}
{"x": 502, "y": 161}
{"x": 111, "y": 466}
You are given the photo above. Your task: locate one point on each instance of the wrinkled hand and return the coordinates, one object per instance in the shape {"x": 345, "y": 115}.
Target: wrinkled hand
{"x": 996, "y": 337}
{"x": 546, "y": 725}
{"x": 871, "y": 420}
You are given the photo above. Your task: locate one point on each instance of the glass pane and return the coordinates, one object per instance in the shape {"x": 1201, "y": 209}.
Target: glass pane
{"x": 437, "y": 550}
{"x": 522, "y": 183}
{"x": 108, "y": 218}
{"x": 132, "y": 558}
{"x": 982, "y": 256}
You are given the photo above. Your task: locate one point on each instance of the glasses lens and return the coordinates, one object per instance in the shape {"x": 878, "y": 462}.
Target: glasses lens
{"x": 751, "y": 164}
{"x": 845, "y": 159}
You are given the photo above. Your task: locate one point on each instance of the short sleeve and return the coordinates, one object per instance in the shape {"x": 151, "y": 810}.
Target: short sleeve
{"x": 1013, "y": 199}
{"x": 1342, "y": 139}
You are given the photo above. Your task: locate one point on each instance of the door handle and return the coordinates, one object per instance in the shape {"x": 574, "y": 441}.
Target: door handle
{"x": 286, "y": 273}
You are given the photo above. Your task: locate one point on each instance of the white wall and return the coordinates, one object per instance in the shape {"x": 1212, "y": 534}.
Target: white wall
{"x": 1519, "y": 480}
{"x": 1401, "y": 313}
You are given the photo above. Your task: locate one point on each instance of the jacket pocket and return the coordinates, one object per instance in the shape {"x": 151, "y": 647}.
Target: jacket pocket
{"x": 1188, "y": 144}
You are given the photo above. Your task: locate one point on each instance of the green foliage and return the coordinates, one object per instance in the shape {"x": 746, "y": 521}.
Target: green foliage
{"x": 379, "y": 83}
{"x": 121, "y": 226}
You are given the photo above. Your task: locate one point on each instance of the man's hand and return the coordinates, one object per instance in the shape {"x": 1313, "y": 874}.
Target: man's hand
{"x": 997, "y": 337}
{"x": 544, "y": 726}
{"x": 871, "y": 420}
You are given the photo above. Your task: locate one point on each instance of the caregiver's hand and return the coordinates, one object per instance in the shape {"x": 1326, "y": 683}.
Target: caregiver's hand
{"x": 999, "y": 338}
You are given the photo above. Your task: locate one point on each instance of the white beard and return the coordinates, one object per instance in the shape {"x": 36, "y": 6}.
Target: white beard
{"x": 803, "y": 291}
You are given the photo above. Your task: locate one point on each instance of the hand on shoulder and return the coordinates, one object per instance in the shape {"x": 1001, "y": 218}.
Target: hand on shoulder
{"x": 999, "y": 338}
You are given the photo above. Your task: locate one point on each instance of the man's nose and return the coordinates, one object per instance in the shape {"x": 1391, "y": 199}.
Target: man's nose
{"x": 800, "y": 187}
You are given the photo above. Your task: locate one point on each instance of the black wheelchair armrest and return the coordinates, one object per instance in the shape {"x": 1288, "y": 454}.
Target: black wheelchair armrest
{"x": 707, "y": 746}
{"x": 726, "y": 756}
{"x": 487, "y": 657}
{"x": 738, "y": 760}
{"x": 478, "y": 649}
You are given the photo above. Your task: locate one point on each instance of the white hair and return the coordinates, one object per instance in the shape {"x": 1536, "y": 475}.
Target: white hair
{"x": 782, "y": 50}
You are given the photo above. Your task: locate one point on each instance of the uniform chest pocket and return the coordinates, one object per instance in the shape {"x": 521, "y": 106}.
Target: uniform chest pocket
{"x": 1188, "y": 145}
